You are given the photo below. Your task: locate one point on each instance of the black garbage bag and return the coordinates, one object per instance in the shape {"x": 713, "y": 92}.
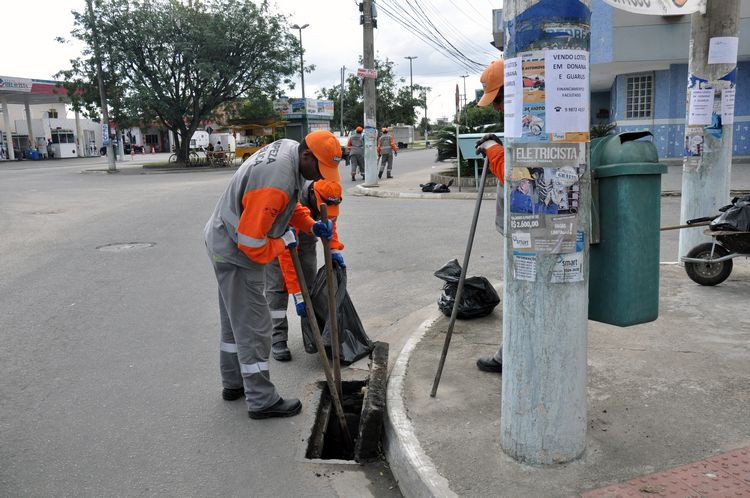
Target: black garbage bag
{"x": 436, "y": 188}
{"x": 355, "y": 343}
{"x": 478, "y": 298}
{"x": 735, "y": 216}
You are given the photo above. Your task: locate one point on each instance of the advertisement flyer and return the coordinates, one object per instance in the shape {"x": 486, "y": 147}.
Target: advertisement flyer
{"x": 545, "y": 196}
{"x": 723, "y": 50}
{"x": 513, "y": 100}
{"x": 567, "y": 91}
{"x": 727, "y": 106}
{"x": 532, "y": 113}
{"x": 701, "y": 106}
{"x": 524, "y": 266}
{"x": 568, "y": 268}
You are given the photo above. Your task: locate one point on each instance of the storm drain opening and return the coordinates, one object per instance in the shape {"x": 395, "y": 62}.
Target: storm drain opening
{"x": 364, "y": 409}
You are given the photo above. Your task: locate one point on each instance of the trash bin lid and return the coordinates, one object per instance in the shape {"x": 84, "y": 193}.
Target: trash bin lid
{"x": 625, "y": 154}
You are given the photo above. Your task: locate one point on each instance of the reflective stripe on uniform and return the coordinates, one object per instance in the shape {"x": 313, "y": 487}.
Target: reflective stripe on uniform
{"x": 278, "y": 314}
{"x": 251, "y": 368}
{"x": 228, "y": 347}
{"x": 248, "y": 241}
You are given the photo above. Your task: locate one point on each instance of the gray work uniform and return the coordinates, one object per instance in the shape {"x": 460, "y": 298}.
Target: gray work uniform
{"x": 276, "y": 292}
{"x": 245, "y": 317}
{"x": 357, "y": 153}
{"x": 386, "y": 153}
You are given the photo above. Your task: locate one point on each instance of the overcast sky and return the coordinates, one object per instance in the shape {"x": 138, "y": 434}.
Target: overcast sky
{"x": 333, "y": 39}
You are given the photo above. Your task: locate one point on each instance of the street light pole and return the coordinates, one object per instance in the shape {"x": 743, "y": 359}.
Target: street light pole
{"x": 411, "y": 78}
{"x": 102, "y": 92}
{"x": 302, "y": 74}
{"x": 341, "y": 107}
{"x": 466, "y": 118}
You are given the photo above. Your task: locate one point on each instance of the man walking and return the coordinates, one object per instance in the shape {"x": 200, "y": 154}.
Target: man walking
{"x": 248, "y": 229}
{"x": 356, "y": 146}
{"x": 281, "y": 279}
{"x": 386, "y": 150}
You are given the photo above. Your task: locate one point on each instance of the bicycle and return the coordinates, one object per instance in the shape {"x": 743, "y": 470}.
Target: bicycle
{"x": 193, "y": 159}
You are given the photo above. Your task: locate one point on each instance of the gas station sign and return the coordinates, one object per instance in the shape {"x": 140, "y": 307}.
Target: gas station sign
{"x": 8, "y": 84}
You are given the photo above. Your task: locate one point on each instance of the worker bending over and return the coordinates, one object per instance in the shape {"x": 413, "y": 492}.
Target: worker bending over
{"x": 356, "y": 147}
{"x": 386, "y": 150}
{"x": 490, "y": 146}
{"x": 248, "y": 229}
{"x": 281, "y": 279}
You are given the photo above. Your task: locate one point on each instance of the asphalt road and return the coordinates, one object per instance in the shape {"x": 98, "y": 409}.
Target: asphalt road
{"x": 109, "y": 381}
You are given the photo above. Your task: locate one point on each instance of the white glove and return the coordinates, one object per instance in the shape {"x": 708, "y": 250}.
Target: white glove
{"x": 289, "y": 238}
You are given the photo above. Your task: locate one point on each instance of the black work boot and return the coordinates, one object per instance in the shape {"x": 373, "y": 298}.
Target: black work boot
{"x": 389, "y": 175}
{"x": 380, "y": 174}
{"x": 232, "y": 394}
{"x": 489, "y": 364}
{"x": 280, "y": 351}
{"x": 354, "y": 177}
{"x": 282, "y": 408}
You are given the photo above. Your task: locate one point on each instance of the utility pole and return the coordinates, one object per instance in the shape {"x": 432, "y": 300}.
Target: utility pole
{"x": 466, "y": 118}
{"x": 371, "y": 132}
{"x": 341, "y": 107}
{"x": 102, "y": 92}
{"x": 411, "y": 78}
{"x": 302, "y": 75}
{"x": 707, "y": 166}
{"x": 545, "y": 297}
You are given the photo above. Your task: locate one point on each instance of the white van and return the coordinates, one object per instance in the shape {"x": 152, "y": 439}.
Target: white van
{"x": 199, "y": 139}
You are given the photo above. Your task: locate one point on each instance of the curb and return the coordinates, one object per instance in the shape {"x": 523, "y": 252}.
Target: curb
{"x": 410, "y": 465}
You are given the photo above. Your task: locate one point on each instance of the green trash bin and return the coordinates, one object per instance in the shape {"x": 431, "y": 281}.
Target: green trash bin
{"x": 626, "y": 212}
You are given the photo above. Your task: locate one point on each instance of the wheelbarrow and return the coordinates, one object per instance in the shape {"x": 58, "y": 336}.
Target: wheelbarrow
{"x": 710, "y": 263}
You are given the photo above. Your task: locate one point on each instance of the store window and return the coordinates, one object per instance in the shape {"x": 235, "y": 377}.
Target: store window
{"x": 639, "y": 96}
{"x": 52, "y": 114}
{"x": 152, "y": 139}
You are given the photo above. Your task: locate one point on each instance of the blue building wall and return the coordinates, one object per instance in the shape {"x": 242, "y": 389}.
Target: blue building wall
{"x": 602, "y": 18}
{"x": 668, "y": 121}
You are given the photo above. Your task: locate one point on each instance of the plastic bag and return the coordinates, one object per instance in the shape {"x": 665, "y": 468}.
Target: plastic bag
{"x": 735, "y": 217}
{"x": 436, "y": 188}
{"x": 355, "y": 343}
{"x": 478, "y": 298}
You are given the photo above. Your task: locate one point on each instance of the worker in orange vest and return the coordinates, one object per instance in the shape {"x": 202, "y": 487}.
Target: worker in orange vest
{"x": 281, "y": 279}
{"x": 490, "y": 146}
{"x": 249, "y": 228}
{"x": 386, "y": 150}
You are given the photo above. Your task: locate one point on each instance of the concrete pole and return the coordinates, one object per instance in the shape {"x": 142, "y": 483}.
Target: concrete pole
{"x": 30, "y": 131}
{"x": 411, "y": 76}
{"x": 121, "y": 145}
{"x": 371, "y": 132}
{"x": 8, "y": 131}
{"x": 543, "y": 413}
{"x": 341, "y": 106}
{"x": 79, "y": 137}
{"x": 706, "y": 177}
{"x": 102, "y": 91}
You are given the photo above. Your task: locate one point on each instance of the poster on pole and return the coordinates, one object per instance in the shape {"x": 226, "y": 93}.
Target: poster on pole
{"x": 568, "y": 268}
{"x": 727, "y": 106}
{"x": 513, "y": 97}
{"x": 545, "y": 196}
{"x": 105, "y": 134}
{"x": 723, "y": 50}
{"x": 701, "y": 106}
{"x": 524, "y": 266}
{"x": 567, "y": 91}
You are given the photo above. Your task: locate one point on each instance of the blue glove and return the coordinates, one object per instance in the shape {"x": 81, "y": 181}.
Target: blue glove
{"x": 299, "y": 304}
{"x": 323, "y": 230}
{"x": 290, "y": 238}
{"x": 338, "y": 259}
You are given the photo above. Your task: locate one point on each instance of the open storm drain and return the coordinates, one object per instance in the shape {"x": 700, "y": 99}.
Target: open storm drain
{"x": 364, "y": 409}
{"x": 125, "y": 246}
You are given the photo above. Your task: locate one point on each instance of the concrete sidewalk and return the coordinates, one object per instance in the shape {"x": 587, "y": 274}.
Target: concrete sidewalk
{"x": 406, "y": 185}
{"x": 663, "y": 394}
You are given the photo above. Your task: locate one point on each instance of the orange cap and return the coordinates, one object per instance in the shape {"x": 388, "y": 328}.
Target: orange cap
{"x": 327, "y": 150}
{"x": 493, "y": 79}
{"x": 359, "y": 129}
{"x": 329, "y": 193}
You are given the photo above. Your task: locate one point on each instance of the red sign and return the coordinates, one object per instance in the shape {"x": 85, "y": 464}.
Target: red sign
{"x": 367, "y": 73}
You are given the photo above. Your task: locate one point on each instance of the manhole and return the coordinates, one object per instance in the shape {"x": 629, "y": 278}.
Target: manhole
{"x": 48, "y": 211}
{"x": 364, "y": 408}
{"x": 125, "y": 246}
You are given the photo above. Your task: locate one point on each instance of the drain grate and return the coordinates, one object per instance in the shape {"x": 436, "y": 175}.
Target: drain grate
{"x": 125, "y": 246}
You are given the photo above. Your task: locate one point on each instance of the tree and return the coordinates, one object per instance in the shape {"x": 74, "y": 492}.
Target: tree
{"x": 255, "y": 108}
{"x": 395, "y": 103}
{"x": 180, "y": 63}
{"x": 473, "y": 115}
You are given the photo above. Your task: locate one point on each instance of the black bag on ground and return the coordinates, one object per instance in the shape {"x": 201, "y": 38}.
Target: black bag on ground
{"x": 478, "y": 298}
{"x": 735, "y": 217}
{"x": 352, "y": 337}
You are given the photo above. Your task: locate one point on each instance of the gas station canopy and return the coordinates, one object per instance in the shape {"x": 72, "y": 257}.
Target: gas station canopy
{"x": 30, "y": 91}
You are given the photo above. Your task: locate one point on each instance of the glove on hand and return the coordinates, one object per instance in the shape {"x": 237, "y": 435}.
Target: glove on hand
{"x": 323, "y": 230}
{"x": 338, "y": 259}
{"x": 487, "y": 141}
{"x": 395, "y": 153}
{"x": 290, "y": 238}
{"x": 299, "y": 304}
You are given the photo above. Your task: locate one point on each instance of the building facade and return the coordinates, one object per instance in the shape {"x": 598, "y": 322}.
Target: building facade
{"x": 639, "y": 75}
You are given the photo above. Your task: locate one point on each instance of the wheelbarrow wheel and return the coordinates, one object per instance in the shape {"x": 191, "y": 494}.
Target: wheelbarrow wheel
{"x": 708, "y": 273}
